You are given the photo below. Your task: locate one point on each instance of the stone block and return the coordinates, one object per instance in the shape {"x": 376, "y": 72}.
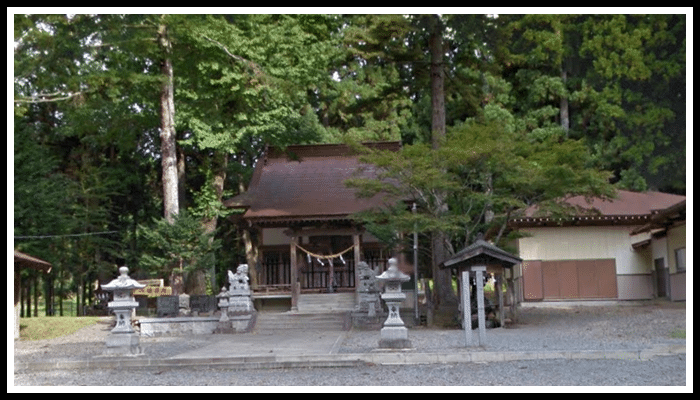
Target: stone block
{"x": 184, "y": 301}
{"x": 236, "y": 324}
{"x": 394, "y": 337}
{"x": 202, "y": 303}
{"x": 167, "y": 306}
{"x": 123, "y": 344}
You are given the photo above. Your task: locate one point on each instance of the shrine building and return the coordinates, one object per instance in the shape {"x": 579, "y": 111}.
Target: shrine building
{"x": 300, "y": 208}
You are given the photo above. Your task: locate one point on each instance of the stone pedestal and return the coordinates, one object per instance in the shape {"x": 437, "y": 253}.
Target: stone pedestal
{"x": 126, "y": 344}
{"x": 394, "y": 337}
{"x": 239, "y": 302}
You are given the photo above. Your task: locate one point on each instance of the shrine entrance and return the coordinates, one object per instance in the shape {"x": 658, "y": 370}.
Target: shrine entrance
{"x": 327, "y": 263}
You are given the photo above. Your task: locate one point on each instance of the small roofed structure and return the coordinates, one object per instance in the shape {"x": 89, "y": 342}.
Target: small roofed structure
{"x": 482, "y": 252}
{"x": 475, "y": 260}
{"x": 23, "y": 261}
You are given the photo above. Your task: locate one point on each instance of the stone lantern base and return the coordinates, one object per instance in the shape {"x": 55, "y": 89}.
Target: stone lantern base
{"x": 123, "y": 344}
{"x": 394, "y": 337}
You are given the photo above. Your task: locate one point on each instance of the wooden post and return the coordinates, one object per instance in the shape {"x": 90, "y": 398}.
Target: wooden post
{"x": 293, "y": 273}
{"x": 330, "y": 275}
{"x": 511, "y": 295}
{"x": 499, "y": 291}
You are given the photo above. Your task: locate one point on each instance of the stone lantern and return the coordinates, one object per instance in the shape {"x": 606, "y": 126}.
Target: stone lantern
{"x": 394, "y": 334}
{"x": 123, "y": 339}
{"x": 223, "y": 304}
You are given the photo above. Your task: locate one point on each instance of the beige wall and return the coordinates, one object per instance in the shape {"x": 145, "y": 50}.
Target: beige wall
{"x": 586, "y": 242}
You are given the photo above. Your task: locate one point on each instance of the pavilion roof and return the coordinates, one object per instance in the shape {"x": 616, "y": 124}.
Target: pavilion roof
{"x": 481, "y": 252}
{"x": 23, "y": 260}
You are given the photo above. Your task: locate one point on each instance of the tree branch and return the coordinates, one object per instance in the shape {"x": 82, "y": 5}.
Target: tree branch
{"x": 255, "y": 67}
{"x": 47, "y": 97}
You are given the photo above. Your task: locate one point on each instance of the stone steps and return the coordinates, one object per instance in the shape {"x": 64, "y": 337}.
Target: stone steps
{"x": 326, "y": 302}
{"x": 322, "y": 311}
{"x": 270, "y": 322}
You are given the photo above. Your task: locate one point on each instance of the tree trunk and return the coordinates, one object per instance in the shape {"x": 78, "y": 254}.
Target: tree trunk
{"x": 167, "y": 132}
{"x": 48, "y": 295}
{"x": 251, "y": 255}
{"x": 168, "y": 147}
{"x": 219, "y": 166}
{"x": 564, "y": 107}
{"x": 36, "y": 296}
{"x": 445, "y": 298}
{"x": 24, "y": 289}
{"x": 251, "y": 247}
{"x": 78, "y": 297}
{"x": 181, "y": 177}
{"x": 60, "y": 295}
{"x": 437, "y": 79}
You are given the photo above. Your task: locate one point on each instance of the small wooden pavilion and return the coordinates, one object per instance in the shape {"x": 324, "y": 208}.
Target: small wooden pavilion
{"x": 23, "y": 261}
{"x": 473, "y": 261}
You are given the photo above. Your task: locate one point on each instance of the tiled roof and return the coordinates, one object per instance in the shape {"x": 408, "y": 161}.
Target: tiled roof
{"x": 306, "y": 183}
{"x": 633, "y": 207}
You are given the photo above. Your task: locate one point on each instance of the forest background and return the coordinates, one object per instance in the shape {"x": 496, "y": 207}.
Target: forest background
{"x": 129, "y": 130}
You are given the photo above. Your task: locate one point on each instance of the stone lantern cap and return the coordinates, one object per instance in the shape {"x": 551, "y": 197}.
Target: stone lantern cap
{"x": 123, "y": 282}
{"x": 393, "y": 274}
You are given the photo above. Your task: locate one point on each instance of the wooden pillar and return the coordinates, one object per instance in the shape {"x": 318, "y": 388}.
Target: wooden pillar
{"x": 499, "y": 291}
{"x": 294, "y": 273}
{"x": 331, "y": 278}
{"x": 511, "y": 294}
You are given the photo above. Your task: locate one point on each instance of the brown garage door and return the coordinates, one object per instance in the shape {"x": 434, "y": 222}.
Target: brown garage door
{"x": 579, "y": 279}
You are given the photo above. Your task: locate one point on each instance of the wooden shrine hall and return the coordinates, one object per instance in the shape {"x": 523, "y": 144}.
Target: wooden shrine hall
{"x": 298, "y": 205}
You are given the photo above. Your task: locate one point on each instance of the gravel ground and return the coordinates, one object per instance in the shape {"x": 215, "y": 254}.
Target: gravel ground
{"x": 575, "y": 328}
{"x": 662, "y": 371}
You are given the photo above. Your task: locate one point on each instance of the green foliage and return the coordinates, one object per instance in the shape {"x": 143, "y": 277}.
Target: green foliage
{"x": 87, "y": 106}
{"x": 479, "y": 168}
{"x": 620, "y": 79}
{"x": 182, "y": 244}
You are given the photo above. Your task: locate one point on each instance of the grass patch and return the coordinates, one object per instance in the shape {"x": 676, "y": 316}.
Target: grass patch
{"x": 678, "y": 334}
{"x": 39, "y": 328}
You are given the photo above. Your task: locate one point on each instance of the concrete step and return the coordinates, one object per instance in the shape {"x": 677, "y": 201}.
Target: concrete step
{"x": 270, "y": 322}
